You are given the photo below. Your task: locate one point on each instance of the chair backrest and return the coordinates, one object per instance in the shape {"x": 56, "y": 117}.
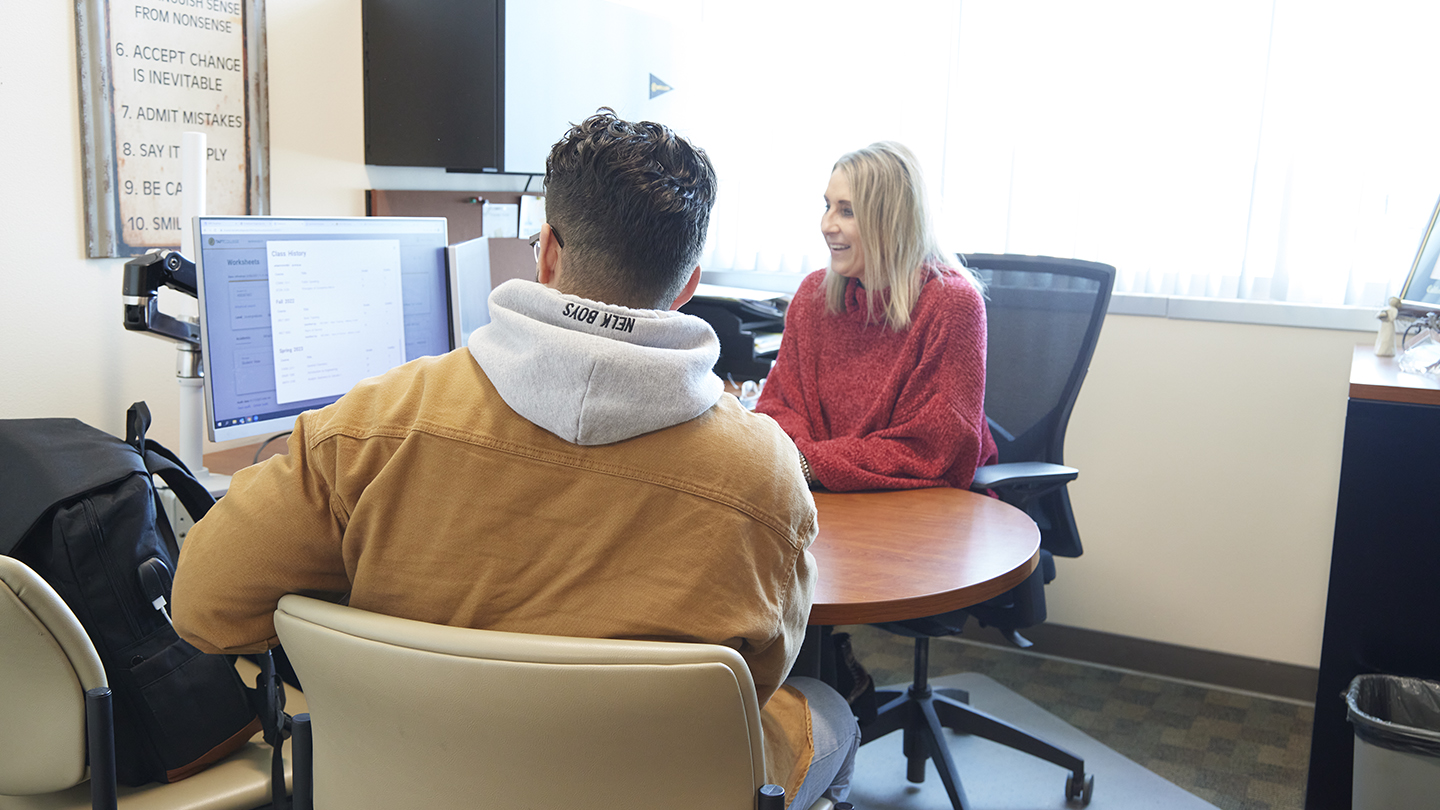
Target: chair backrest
{"x": 410, "y": 714}
{"x": 46, "y": 663}
{"x": 1044, "y": 318}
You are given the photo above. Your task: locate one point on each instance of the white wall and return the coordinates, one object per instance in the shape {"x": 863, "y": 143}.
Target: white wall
{"x": 1210, "y": 452}
{"x": 65, "y": 353}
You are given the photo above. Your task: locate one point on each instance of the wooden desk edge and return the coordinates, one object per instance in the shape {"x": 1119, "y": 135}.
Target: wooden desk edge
{"x": 234, "y": 459}
{"x": 1380, "y": 379}
{"x": 920, "y": 606}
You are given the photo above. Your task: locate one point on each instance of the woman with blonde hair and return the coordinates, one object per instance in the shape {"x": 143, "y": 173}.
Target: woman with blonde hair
{"x": 880, "y": 378}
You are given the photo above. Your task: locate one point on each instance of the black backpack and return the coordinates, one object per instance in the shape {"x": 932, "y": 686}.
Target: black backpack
{"x": 79, "y": 507}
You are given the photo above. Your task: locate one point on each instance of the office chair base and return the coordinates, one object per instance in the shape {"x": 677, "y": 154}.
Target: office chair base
{"x": 922, "y": 713}
{"x": 1078, "y": 791}
{"x": 957, "y": 695}
{"x": 923, "y": 740}
{"x": 1017, "y": 639}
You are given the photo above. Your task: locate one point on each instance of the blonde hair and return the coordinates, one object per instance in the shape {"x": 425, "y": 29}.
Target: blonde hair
{"x": 892, "y": 214}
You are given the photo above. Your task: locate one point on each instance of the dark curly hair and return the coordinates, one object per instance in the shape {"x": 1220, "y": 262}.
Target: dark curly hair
{"x": 632, "y": 202}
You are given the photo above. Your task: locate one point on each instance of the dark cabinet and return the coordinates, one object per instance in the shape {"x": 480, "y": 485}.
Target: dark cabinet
{"x": 1382, "y": 612}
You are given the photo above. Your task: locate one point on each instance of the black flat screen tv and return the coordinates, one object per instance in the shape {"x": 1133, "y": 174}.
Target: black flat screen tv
{"x": 489, "y": 85}
{"x": 434, "y": 83}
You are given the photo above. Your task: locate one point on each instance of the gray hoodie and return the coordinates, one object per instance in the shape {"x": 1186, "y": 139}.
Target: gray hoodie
{"x": 594, "y": 373}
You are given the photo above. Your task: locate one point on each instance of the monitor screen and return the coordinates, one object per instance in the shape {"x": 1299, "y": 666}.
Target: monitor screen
{"x": 1421, "y": 293}
{"x": 294, "y": 312}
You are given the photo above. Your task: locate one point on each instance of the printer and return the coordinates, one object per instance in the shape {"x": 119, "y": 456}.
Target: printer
{"x": 748, "y": 323}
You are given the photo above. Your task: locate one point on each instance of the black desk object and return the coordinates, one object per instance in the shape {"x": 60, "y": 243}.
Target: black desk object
{"x": 1382, "y": 614}
{"x": 737, "y": 323}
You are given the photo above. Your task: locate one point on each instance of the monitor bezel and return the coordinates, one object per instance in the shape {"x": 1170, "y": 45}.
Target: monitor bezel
{"x": 284, "y": 424}
{"x": 1412, "y": 292}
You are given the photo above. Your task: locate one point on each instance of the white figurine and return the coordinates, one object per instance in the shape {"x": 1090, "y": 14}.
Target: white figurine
{"x": 1385, "y": 341}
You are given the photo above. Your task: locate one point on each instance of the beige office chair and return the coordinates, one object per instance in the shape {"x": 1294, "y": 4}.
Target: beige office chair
{"x": 410, "y": 714}
{"x": 47, "y": 665}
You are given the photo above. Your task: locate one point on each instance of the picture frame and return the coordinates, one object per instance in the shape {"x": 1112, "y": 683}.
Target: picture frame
{"x": 147, "y": 74}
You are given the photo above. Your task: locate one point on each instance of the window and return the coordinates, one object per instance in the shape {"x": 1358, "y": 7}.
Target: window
{"x": 1280, "y": 151}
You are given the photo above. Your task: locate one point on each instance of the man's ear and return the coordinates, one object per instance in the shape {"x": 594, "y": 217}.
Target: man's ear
{"x": 547, "y": 268}
{"x": 689, "y": 290}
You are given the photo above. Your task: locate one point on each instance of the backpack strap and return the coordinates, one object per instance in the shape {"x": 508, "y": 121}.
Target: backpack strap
{"x": 268, "y": 700}
{"x": 194, "y": 497}
{"x": 137, "y": 422}
{"x": 160, "y": 461}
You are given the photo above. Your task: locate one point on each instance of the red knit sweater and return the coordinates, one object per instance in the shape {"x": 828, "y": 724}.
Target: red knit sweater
{"x": 872, "y": 408}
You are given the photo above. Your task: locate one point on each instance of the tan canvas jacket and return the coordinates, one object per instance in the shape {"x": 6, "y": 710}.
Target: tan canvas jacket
{"x": 421, "y": 494}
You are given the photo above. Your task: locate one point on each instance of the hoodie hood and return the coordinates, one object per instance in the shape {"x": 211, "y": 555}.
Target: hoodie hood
{"x": 594, "y": 373}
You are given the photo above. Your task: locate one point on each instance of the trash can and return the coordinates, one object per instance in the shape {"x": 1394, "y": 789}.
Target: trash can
{"x": 1397, "y": 742}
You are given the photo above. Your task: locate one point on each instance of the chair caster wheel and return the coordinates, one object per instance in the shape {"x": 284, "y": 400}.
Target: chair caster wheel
{"x": 1079, "y": 791}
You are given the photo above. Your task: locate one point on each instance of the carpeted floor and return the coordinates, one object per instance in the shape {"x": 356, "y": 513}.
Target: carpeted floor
{"x": 994, "y": 777}
{"x": 1235, "y": 750}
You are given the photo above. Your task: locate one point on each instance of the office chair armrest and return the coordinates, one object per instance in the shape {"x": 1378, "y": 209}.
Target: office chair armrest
{"x": 1027, "y": 474}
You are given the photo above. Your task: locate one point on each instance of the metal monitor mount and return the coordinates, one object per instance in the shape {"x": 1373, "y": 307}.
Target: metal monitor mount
{"x": 140, "y": 287}
{"x": 144, "y": 276}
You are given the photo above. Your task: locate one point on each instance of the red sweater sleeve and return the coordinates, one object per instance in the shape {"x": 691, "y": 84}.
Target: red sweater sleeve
{"x": 875, "y": 409}
{"x": 783, "y": 397}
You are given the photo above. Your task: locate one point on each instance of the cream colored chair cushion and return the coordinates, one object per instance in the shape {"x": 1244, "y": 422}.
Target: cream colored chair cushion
{"x": 46, "y": 665}
{"x": 241, "y": 781}
{"x": 409, "y": 714}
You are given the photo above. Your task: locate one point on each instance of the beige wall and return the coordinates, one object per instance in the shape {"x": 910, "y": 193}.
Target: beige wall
{"x": 1210, "y": 451}
{"x": 1210, "y": 459}
{"x": 317, "y": 113}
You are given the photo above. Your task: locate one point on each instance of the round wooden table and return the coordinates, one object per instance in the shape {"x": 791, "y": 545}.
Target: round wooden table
{"x": 907, "y": 554}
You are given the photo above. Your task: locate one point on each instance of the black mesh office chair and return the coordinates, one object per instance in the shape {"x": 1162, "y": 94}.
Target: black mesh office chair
{"x": 1044, "y": 318}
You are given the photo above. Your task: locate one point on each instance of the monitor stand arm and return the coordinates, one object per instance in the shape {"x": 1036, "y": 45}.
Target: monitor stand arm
{"x": 143, "y": 278}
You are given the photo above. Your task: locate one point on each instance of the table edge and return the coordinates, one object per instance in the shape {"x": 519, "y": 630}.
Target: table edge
{"x": 1379, "y": 379}
{"x": 920, "y": 606}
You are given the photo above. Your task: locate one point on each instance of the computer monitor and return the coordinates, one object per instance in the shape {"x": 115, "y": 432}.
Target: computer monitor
{"x": 477, "y": 267}
{"x": 1421, "y": 293}
{"x": 295, "y": 311}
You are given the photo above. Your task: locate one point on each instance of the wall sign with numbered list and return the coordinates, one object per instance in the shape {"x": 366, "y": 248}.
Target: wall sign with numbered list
{"x": 149, "y": 71}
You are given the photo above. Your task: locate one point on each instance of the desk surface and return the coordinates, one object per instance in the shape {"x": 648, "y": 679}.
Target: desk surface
{"x": 234, "y": 459}
{"x": 889, "y": 556}
{"x": 1380, "y": 379}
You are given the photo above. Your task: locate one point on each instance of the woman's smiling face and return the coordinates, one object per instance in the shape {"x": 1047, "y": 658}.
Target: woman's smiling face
{"x": 841, "y": 230}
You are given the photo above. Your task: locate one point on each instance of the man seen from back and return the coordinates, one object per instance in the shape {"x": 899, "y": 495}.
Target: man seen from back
{"x": 576, "y": 470}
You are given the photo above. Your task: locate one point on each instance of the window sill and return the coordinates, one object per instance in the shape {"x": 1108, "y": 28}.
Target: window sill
{"x": 1265, "y": 313}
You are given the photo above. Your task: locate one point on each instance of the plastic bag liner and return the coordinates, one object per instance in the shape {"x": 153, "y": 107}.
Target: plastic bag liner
{"x": 1400, "y": 714}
